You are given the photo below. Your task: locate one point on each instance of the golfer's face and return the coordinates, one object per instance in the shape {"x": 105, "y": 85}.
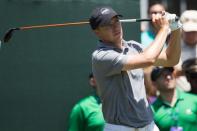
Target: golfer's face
{"x": 111, "y": 32}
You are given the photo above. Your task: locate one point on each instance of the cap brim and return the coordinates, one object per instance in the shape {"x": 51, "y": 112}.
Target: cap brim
{"x": 189, "y": 27}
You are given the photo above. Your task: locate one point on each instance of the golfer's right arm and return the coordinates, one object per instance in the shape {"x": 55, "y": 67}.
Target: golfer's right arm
{"x": 150, "y": 54}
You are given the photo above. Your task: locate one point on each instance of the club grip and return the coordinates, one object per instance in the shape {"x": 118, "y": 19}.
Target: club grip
{"x": 141, "y": 20}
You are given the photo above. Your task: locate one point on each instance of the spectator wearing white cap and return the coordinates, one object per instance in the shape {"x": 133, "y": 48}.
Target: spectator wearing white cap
{"x": 189, "y": 34}
{"x": 188, "y": 44}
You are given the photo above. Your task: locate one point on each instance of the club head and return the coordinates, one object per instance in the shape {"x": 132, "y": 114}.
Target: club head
{"x": 9, "y": 34}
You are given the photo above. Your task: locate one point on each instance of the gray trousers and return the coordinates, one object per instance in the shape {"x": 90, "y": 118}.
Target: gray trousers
{"x": 111, "y": 127}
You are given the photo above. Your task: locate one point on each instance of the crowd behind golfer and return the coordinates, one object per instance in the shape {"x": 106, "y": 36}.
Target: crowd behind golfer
{"x": 175, "y": 88}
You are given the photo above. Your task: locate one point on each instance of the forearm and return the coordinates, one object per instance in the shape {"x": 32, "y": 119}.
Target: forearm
{"x": 173, "y": 51}
{"x": 153, "y": 51}
{"x": 150, "y": 54}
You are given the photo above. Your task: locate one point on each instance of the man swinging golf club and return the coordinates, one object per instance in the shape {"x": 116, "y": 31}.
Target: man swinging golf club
{"x": 118, "y": 68}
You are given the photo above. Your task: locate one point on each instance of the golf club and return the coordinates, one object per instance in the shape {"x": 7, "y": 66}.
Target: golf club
{"x": 8, "y": 35}
{"x": 10, "y": 32}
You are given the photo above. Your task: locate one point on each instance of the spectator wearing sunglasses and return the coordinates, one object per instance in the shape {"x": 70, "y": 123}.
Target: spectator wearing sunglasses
{"x": 174, "y": 110}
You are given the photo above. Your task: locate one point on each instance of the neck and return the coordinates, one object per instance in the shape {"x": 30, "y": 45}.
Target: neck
{"x": 154, "y": 29}
{"x": 117, "y": 44}
{"x": 170, "y": 97}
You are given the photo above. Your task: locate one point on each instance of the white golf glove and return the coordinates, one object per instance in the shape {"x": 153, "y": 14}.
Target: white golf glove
{"x": 174, "y": 24}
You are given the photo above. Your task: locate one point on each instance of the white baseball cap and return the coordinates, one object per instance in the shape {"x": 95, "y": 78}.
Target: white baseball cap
{"x": 189, "y": 20}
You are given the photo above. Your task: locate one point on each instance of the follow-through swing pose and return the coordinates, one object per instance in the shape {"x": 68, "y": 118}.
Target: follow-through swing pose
{"x": 118, "y": 68}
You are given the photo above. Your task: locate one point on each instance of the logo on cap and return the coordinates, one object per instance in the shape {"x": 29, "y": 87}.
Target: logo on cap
{"x": 105, "y": 11}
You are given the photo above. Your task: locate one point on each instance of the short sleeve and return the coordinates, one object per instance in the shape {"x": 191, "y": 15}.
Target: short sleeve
{"x": 76, "y": 120}
{"x": 110, "y": 61}
{"x": 137, "y": 46}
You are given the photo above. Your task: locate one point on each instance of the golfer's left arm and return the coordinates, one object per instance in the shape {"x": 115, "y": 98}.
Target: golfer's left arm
{"x": 171, "y": 55}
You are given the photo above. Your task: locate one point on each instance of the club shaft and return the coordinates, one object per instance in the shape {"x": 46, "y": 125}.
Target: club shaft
{"x": 53, "y": 25}
{"x": 134, "y": 20}
{"x": 76, "y": 23}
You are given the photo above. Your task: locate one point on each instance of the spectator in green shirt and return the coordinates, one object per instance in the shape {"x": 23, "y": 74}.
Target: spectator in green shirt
{"x": 87, "y": 115}
{"x": 174, "y": 110}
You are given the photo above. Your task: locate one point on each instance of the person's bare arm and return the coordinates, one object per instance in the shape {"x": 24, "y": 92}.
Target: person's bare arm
{"x": 149, "y": 56}
{"x": 171, "y": 55}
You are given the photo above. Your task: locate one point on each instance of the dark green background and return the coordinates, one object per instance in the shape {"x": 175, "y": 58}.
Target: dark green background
{"x": 43, "y": 72}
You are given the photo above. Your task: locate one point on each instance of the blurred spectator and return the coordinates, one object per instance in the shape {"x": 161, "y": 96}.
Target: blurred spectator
{"x": 188, "y": 44}
{"x": 149, "y": 35}
{"x": 190, "y": 69}
{"x": 151, "y": 91}
{"x": 189, "y": 35}
{"x": 174, "y": 110}
{"x": 87, "y": 114}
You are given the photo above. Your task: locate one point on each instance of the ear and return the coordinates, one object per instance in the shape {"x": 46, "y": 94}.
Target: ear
{"x": 92, "y": 82}
{"x": 96, "y": 31}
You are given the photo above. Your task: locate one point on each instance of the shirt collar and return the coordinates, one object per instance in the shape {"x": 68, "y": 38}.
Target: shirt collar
{"x": 101, "y": 44}
{"x": 178, "y": 98}
{"x": 97, "y": 98}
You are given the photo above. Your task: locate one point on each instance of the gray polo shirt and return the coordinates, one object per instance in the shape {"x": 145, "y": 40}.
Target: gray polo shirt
{"x": 122, "y": 92}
